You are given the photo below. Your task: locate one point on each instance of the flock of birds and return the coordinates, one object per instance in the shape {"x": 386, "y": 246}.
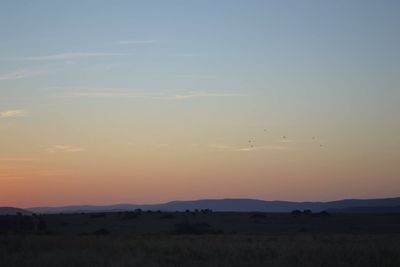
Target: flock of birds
{"x": 284, "y": 137}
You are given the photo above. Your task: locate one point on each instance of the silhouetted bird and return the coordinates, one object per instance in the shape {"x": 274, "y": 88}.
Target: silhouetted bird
{"x": 284, "y": 137}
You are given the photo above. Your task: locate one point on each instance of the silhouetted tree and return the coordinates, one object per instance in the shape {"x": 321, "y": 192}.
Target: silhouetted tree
{"x": 138, "y": 211}
{"x": 307, "y": 211}
{"x": 296, "y": 212}
{"x": 206, "y": 211}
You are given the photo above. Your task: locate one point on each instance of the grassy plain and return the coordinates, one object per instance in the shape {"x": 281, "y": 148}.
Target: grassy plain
{"x": 210, "y": 239}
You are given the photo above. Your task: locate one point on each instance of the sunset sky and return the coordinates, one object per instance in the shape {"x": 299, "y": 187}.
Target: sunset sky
{"x": 105, "y": 102}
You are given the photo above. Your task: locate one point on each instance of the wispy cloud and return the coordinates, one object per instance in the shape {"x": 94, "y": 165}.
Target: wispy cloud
{"x": 147, "y": 95}
{"x": 13, "y": 113}
{"x": 299, "y": 141}
{"x": 220, "y": 147}
{"x": 6, "y": 176}
{"x": 148, "y": 145}
{"x": 189, "y": 95}
{"x": 18, "y": 159}
{"x": 24, "y": 174}
{"x": 268, "y": 147}
{"x": 135, "y": 42}
{"x": 47, "y": 173}
{"x": 64, "y": 148}
{"x": 20, "y": 74}
{"x": 111, "y": 94}
{"x": 223, "y": 147}
{"x": 288, "y": 141}
{"x": 67, "y": 56}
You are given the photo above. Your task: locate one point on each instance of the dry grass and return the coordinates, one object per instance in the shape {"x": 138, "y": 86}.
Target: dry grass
{"x": 201, "y": 250}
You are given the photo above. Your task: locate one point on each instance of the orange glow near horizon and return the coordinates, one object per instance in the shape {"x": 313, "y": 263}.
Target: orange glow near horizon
{"x": 156, "y": 173}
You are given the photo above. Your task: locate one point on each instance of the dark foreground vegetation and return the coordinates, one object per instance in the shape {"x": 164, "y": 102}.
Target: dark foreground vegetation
{"x": 201, "y": 238}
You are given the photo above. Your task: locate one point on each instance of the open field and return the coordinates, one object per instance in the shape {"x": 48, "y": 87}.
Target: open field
{"x": 140, "y": 222}
{"x": 205, "y": 250}
{"x": 202, "y": 239}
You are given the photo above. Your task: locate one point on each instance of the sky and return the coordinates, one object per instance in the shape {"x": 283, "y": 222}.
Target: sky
{"x": 105, "y": 102}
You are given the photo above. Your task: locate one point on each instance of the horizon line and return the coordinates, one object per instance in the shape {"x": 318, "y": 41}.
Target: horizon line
{"x": 201, "y": 199}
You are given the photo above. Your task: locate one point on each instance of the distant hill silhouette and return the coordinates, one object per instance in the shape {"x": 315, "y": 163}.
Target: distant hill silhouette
{"x": 239, "y": 205}
{"x": 13, "y": 211}
{"x": 378, "y": 209}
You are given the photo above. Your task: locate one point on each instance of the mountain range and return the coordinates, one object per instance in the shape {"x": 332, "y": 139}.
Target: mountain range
{"x": 383, "y": 205}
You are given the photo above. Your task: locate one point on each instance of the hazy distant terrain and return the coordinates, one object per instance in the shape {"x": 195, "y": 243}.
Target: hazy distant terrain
{"x": 207, "y": 222}
{"x": 241, "y": 205}
{"x": 13, "y": 211}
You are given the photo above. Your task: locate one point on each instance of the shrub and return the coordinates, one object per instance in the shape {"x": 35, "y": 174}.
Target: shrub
{"x": 322, "y": 214}
{"x": 206, "y": 211}
{"x": 189, "y": 228}
{"x": 296, "y": 212}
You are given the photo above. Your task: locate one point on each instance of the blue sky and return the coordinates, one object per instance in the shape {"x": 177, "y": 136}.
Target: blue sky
{"x": 258, "y": 46}
{"x": 208, "y": 73}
